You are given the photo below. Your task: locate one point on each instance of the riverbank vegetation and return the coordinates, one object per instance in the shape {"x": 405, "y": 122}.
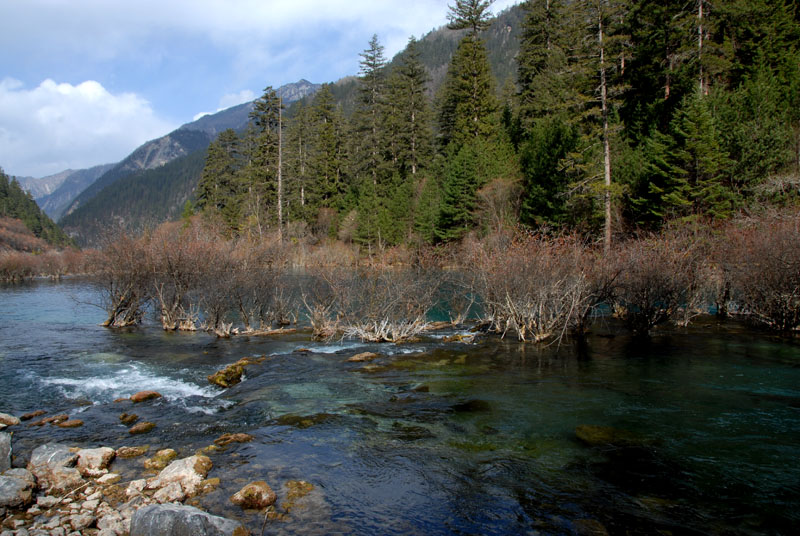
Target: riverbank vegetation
{"x": 513, "y": 283}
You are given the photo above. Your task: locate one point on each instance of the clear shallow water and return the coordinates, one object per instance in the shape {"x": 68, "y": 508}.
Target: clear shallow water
{"x": 436, "y": 438}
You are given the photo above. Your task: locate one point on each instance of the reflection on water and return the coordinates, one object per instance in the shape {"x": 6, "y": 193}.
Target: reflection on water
{"x": 695, "y": 430}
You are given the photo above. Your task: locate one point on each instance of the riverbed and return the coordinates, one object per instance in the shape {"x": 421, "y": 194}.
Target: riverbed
{"x": 435, "y": 437}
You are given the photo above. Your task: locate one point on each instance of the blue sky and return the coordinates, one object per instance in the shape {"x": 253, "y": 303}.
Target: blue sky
{"x": 84, "y": 82}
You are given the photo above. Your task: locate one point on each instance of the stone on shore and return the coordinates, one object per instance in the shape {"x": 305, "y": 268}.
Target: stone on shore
{"x": 5, "y": 451}
{"x": 8, "y": 420}
{"x": 179, "y": 520}
{"x": 16, "y": 488}
{"x": 94, "y": 462}
{"x": 141, "y": 396}
{"x": 53, "y": 465}
{"x": 255, "y": 496}
{"x": 188, "y": 472}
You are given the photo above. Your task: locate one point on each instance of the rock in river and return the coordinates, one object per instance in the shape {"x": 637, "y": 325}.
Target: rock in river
{"x": 141, "y": 428}
{"x": 179, "y": 520}
{"x": 8, "y": 420}
{"x": 188, "y": 472}
{"x": 94, "y": 462}
{"x": 256, "y": 496}
{"x": 141, "y": 396}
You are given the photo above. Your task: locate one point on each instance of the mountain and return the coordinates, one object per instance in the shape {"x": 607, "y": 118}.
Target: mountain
{"x": 44, "y": 186}
{"x": 82, "y": 218}
{"x": 75, "y": 182}
{"x": 139, "y": 201}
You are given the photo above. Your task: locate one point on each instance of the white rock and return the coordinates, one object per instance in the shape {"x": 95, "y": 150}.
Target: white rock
{"x": 172, "y": 492}
{"x": 81, "y": 521}
{"x": 54, "y": 468}
{"x": 8, "y": 420}
{"x": 135, "y": 487}
{"x": 5, "y": 451}
{"x": 94, "y": 462}
{"x": 46, "y": 501}
{"x": 188, "y": 472}
{"x": 110, "y": 478}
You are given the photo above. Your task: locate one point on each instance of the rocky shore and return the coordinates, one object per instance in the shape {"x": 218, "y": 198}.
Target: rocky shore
{"x": 64, "y": 491}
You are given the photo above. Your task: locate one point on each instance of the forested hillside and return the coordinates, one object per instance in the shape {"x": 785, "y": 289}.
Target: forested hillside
{"x": 139, "y": 201}
{"x": 623, "y": 115}
{"x": 16, "y": 204}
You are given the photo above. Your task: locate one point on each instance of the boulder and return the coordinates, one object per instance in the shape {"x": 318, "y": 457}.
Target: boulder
{"x": 188, "y": 472}
{"x": 161, "y": 459}
{"x": 94, "y": 462}
{"x": 256, "y": 496}
{"x": 141, "y": 428}
{"x": 128, "y": 419}
{"x": 232, "y": 374}
{"x": 8, "y": 420}
{"x": 16, "y": 488}
{"x": 5, "y": 451}
{"x": 141, "y": 396}
{"x": 172, "y": 492}
{"x": 180, "y": 520}
{"x": 53, "y": 465}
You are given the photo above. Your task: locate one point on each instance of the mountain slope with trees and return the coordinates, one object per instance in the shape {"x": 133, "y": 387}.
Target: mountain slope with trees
{"x": 17, "y": 204}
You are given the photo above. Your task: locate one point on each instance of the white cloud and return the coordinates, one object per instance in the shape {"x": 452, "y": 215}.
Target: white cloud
{"x": 228, "y": 100}
{"x": 55, "y": 126}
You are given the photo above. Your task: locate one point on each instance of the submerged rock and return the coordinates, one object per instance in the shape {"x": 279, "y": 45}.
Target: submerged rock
{"x": 226, "y": 439}
{"x": 179, "y": 520}
{"x": 141, "y": 428}
{"x": 16, "y": 488}
{"x": 304, "y": 421}
{"x": 53, "y": 465}
{"x": 362, "y": 357}
{"x": 128, "y": 419}
{"x": 5, "y": 451}
{"x": 94, "y": 462}
{"x": 32, "y": 414}
{"x": 297, "y": 489}
{"x": 599, "y": 436}
{"x": 255, "y": 496}
{"x": 72, "y": 423}
{"x": 132, "y": 452}
{"x": 141, "y": 396}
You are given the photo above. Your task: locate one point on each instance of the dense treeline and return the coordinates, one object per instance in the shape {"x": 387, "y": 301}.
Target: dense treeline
{"x": 624, "y": 115}
{"x": 15, "y": 203}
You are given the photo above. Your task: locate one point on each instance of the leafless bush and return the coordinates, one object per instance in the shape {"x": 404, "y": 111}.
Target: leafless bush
{"x": 658, "y": 279}
{"x": 123, "y": 272}
{"x": 534, "y": 286}
{"x": 16, "y": 266}
{"x": 765, "y": 268}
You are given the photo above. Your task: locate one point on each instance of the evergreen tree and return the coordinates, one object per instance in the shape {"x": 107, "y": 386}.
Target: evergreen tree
{"x": 327, "y": 154}
{"x": 265, "y": 186}
{"x": 467, "y": 102}
{"x": 369, "y": 113}
{"x": 409, "y": 117}
{"x": 221, "y": 187}
{"x": 298, "y": 143}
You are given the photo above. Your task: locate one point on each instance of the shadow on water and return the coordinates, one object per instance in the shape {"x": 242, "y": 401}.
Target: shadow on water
{"x": 690, "y": 431}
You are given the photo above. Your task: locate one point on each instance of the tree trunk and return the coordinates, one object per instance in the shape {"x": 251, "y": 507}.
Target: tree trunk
{"x": 280, "y": 168}
{"x": 606, "y": 144}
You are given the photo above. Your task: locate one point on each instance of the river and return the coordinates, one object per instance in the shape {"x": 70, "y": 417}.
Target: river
{"x": 435, "y": 437}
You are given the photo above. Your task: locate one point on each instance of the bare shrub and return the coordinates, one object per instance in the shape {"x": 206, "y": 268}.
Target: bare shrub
{"x": 533, "y": 286}
{"x": 16, "y": 266}
{"x": 122, "y": 270}
{"x": 657, "y": 279}
{"x": 765, "y": 267}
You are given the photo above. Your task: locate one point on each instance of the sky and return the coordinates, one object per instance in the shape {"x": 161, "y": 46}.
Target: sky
{"x": 85, "y": 82}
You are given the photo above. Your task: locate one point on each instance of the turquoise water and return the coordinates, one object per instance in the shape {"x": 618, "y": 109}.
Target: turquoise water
{"x": 438, "y": 438}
